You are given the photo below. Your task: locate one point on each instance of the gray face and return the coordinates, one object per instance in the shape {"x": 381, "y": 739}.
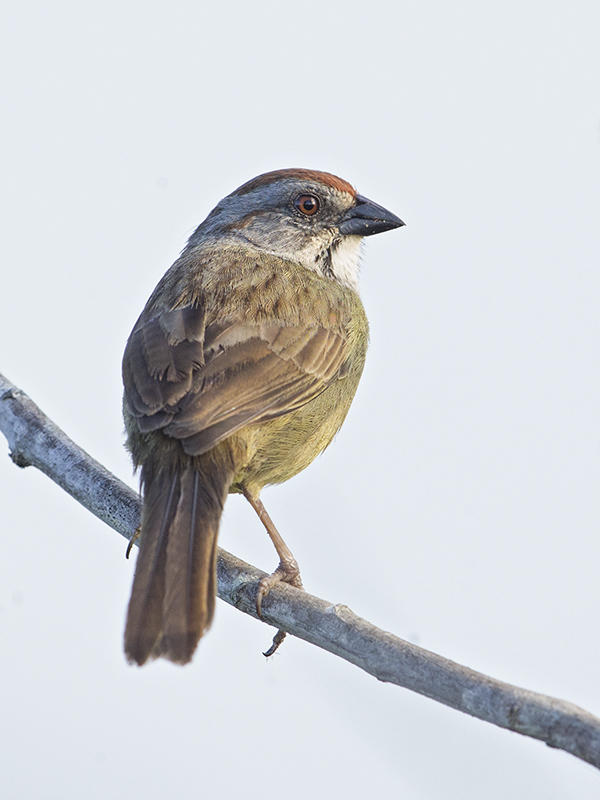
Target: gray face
{"x": 270, "y": 216}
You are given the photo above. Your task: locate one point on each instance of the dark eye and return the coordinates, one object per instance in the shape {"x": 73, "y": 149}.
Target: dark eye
{"x": 307, "y": 203}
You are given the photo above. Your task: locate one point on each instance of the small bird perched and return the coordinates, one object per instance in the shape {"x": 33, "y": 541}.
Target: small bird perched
{"x": 238, "y": 373}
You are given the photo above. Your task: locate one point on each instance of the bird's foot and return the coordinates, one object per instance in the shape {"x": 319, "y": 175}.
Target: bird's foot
{"x": 286, "y": 572}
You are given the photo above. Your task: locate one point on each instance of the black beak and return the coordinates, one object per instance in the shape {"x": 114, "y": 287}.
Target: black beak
{"x": 366, "y": 218}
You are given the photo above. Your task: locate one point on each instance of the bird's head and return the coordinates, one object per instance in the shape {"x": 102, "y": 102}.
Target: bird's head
{"x": 305, "y": 216}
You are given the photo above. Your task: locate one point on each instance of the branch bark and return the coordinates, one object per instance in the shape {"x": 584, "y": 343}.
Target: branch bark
{"x": 35, "y": 440}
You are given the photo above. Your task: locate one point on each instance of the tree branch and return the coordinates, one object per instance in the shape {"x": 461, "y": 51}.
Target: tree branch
{"x": 35, "y": 440}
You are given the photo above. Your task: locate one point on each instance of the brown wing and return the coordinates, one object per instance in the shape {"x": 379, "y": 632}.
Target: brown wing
{"x": 202, "y": 383}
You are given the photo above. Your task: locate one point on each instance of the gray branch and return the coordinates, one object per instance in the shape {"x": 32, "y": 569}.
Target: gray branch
{"x": 35, "y": 440}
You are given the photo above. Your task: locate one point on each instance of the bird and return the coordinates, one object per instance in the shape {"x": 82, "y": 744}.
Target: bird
{"x": 239, "y": 371}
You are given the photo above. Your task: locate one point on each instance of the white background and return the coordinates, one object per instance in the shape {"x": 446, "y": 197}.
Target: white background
{"x": 459, "y": 505}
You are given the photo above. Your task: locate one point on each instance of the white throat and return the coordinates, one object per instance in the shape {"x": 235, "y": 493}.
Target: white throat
{"x": 345, "y": 260}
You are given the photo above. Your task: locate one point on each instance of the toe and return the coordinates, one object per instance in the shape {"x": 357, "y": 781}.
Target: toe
{"x": 277, "y": 640}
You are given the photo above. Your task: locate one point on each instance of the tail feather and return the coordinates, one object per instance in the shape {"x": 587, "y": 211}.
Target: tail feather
{"x": 174, "y": 588}
{"x": 191, "y": 568}
{"x": 144, "y": 615}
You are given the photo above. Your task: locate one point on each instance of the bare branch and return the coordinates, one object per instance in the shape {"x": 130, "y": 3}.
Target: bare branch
{"x": 35, "y": 440}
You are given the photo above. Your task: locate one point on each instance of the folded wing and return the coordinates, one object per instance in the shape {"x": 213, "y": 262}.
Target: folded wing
{"x": 202, "y": 382}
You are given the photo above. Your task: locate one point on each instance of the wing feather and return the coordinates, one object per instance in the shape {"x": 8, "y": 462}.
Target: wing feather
{"x": 201, "y": 383}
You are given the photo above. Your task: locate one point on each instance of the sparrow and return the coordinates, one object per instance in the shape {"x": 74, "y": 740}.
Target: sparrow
{"x": 239, "y": 371}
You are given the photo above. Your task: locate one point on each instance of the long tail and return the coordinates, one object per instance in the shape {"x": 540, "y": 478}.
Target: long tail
{"x": 174, "y": 588}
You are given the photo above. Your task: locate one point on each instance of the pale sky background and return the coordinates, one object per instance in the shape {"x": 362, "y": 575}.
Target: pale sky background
{"x": 458, "y": 507}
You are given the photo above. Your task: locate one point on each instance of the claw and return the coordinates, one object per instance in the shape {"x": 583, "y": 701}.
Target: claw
{"x": 136, "y": 535}
{"x": 261, "y": 592}
{"x": 277, "y": 640}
